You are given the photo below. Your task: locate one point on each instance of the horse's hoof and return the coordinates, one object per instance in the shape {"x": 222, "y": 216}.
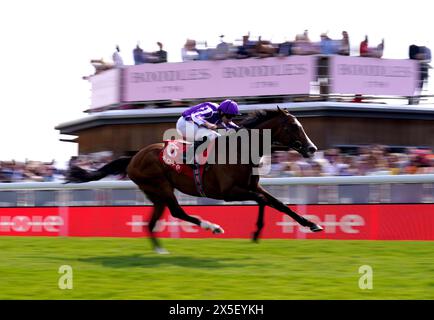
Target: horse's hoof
{"x": 255, "y": 237}
{"x": 316, "y": 228}
{"x": 218, "y": 230}
{"x": 161, "y": 251}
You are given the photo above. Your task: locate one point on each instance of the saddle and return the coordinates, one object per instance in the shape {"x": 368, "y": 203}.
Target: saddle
{"x": 174, "y": 155}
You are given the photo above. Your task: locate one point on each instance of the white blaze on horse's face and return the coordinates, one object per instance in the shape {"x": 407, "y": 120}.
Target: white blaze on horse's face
{"x": 299, "y": 139}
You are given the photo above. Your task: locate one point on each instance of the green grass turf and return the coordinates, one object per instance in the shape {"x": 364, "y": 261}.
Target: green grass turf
{"x": 116, "y": 268}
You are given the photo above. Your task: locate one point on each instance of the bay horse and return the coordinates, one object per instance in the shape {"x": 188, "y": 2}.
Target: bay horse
{"x": 228, "y": 182}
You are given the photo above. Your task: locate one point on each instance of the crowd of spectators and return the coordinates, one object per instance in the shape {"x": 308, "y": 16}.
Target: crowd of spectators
{"x": 91, "y": 161}
{"x": 247, "y": 48}
{"x": 302, "y": 45}
{"x": 39, "y": 171}
{"x": 260, "y": 48}
{"x": 368, "y": 160}
{"x": 139, "y": 56}
{"x": 29, "y": 171}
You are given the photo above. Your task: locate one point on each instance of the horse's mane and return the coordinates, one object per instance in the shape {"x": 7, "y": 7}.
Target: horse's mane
{"x": 257, "y": 117}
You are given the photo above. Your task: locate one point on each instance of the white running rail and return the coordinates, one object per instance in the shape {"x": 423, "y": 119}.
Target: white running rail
{"x": 347, "y": 180}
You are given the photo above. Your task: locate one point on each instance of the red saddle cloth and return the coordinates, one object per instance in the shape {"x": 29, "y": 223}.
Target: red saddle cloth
{"x": 172, "y": 155}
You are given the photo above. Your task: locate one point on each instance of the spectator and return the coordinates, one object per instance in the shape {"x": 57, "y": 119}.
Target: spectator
{"x": 285, "y": 49}
{"x": 344, "y": 48}
{"x": 161, "y": 54}
{"x": 189, "y": 51}
{"x": 100, "y": 65}
{"x": 377, "y": 165}
{"x": 244, "y": 50}
{"x": 205, "y": 53}
{"x": 303, "y": 165}
{"x": 117, "y": 59}
{"x": 18, "y": 170}
{"x": 139, "y": 55}
{"x": 316, "y": 169}
{"x": 430, "y": 160}
{"x": 423, "y": 55}
{"x": 306, "y": 35}
{"x": 394, "y": 164}
{"x": 348, "y": 166}
{"x": 331, "y": 167}
{"x": 33, "y": 171}
{"x": 6, "y": 172}
{"x": 364, "y": 47}
{"x": 372, "y": 52}
{"x": 292, "y": 166}
{"x": 278, "y": 163}
{"x": 264, "y": 48}
{"x": 419, "y": 161}
{"x": 222, "y": 50}
{"x": 303, "y": 46}
{"x": 327, "y": 45}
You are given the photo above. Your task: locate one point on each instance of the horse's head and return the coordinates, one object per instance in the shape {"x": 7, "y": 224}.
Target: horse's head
{"x": 290, "y": 133}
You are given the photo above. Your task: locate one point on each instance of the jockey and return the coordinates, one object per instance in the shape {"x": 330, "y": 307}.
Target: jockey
{"x": 201, "y": 120}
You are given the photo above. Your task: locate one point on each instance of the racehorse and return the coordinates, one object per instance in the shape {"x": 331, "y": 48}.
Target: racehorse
{"x": 223, "y": 181}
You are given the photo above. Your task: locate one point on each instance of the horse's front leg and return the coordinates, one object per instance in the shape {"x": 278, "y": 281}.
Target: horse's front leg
{"x": 279, "y": 205}
{"x": 240, "y": 194}
{"x": 259, "y": 223}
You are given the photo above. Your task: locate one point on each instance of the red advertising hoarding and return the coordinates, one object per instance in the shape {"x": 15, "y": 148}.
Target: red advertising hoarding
{"x": 361, "y": 222}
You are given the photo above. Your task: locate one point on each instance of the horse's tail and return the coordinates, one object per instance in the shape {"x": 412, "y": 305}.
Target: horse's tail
{"x": 118, "y": 166}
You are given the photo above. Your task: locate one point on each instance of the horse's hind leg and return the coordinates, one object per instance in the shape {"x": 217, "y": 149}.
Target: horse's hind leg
{"x": 178, "y": 212}
{"x": 156, "y": 215}
{"x": 157, "y": 212}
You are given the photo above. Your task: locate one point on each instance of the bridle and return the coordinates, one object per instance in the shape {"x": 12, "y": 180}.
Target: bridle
{"x": 297, "y": 145}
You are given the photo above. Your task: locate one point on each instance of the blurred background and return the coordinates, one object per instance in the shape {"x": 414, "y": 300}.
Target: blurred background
{"x": 83, "y": 83}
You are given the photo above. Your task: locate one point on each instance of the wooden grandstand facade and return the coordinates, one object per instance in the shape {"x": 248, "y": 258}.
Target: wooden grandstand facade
{"x": 329, "y": 124}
